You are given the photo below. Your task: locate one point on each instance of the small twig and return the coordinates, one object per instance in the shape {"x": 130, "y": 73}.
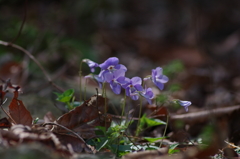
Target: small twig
{"x": 119, "y": 117}
{"x": 33, "y": 58}
{"x": 97, "y": 105}
{"x": 237, "y": 147}
{"x": 63, "y": 127}
{"x": 6, "y": 111}
{"x": 23, "y": 21}
{"x": 165, "y": 130}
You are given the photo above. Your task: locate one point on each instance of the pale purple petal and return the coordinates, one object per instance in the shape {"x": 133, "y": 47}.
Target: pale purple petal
{"x": 149, "y": 94}
{"x": 122, "y": 67}
{"x": 159, "y": 85}
{"x": 122, "y": 80}
{"x": 99, "y": 80}
{"x": 118, "y": 73}
{"x": 185, "y": 104}
{"x": 138, "y": 87}
{"x": 164, "y": 79}
{"x": 110, "y": 61}
{"x": 136, "y": 80}
{"x": 127, "y": 91}
{"x": 158, "y": 78}
{"x": 134, "y": 97}
{"x": 116, "y": 88}
{"x": 127, "y": 82}
{"x": 91, "y": 64}
{"x": 108, "y": 77}
{"x": 149, "y": 101}
{"x": 101, "y": 74}
{"x": 158, "y": 71}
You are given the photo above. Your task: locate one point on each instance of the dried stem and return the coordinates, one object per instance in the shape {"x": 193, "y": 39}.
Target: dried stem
{"x": 7, "y": 112}
{"x": 63, "y": 127}
{"x": 32, "y": 58}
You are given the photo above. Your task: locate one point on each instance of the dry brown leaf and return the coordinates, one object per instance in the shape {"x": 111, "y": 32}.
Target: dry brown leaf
{"x": 84, "y": 118}
{"x": 77, "y": 145}
{"x": 19, "y": 113}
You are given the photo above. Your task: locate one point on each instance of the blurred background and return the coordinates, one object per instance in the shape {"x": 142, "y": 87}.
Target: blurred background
{"x": 196, "y": 42}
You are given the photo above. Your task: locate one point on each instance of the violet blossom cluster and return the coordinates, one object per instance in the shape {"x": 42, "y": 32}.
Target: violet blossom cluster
{"x": 114, "y": 73}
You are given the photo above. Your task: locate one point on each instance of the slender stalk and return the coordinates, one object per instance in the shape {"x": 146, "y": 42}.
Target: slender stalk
{"x": 63, "y": 127}
{"x": 34, "y": 59}
{"x": 139, "y": 116}
{"x": 80, "y": 81}
{"x": 85, "y": 89}
{"x": 7, "y": 112}
{"x": 105, "y": 97}
{"x": 165, "y": 130}
{"x": 104, "y": 94}
{"x": 123, "y": 107}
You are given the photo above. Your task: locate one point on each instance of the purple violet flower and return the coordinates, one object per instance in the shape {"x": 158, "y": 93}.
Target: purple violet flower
{"x": 116, "y": 79}
{"x": 91, "y": 64}
{"x": 148, "y": 94}
{"x": 109, "y": 66}
{"x": 132, "y": 87}
{"x": 158, "y": 78}
{"x": 185, "y": 104}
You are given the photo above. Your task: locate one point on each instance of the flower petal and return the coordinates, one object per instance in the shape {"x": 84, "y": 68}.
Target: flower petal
{"x": 138, "y": 87}
{"x": 127, "y": 91}
{"x": 164, "y": 79}
{"x": 91, "y": 64}
{"x": 110, "y": 61}
{"x": 108, "y": 77}
{"x": 116, "y": 88}
{"x": 159, "y": 85}
{"x": 118, "y": 73}
{"x": 136, "y": 80}
{"x": 158, "y": 71}
{"x": 122, "y": 80}
{"x": 134, "y": 97}
{"x": 185, "y": 104}
{"x": 127, "y": 82}
{"x": 122, "y": 67}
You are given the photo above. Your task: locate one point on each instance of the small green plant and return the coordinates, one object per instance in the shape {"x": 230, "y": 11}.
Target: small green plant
{"x": 172, "y": 149}
{"x": 68, "y": 98}
{"x": 148, "y": 122}
{"x": 114, "y": 139}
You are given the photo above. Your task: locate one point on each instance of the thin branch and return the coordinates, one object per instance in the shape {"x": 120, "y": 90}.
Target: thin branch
{"x": 205, "y": 114}
{"x": 32, "y": 58}
{"x": 23, "y": 22}
{"x": 7, "y": 112}
{"x": 63, "y": 127}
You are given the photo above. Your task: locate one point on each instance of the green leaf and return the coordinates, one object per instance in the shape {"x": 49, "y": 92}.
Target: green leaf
{"x": 102, "y": 143}
{"x": 150, "y": 122}
{"x": 151, "y": 147}
{"x": 172, "y": 147}
{"x": 66, "y": 96}
{"x": 151, "y": 139}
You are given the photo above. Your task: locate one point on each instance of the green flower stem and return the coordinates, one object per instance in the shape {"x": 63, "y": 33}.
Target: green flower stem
{"x": 165, "y": 130}
{"x": 139, "y": 117}
{"x": 123, "y": 106}
{"x": 69, "y": 106}
{"x": 80, "y": 81}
